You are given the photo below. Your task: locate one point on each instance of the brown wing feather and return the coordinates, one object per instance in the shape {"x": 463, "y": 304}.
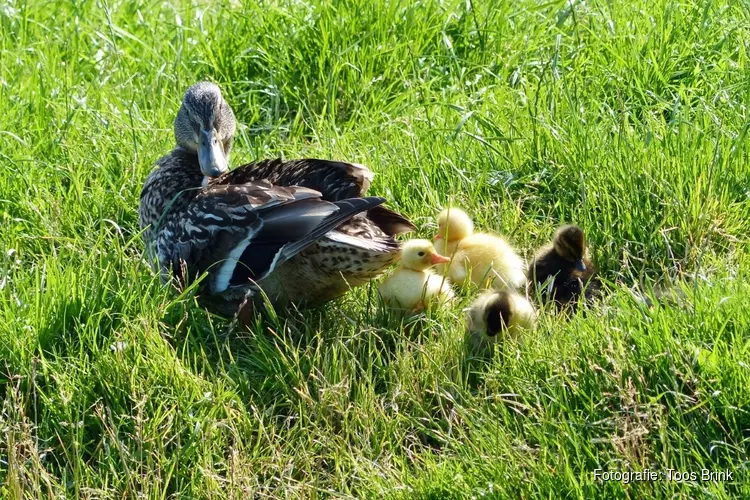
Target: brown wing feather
{"x": 390, "y": 222}
{"x": 236, "y": 233}
{"x": 335, "y": 180}
{"x": 217, "y": 220}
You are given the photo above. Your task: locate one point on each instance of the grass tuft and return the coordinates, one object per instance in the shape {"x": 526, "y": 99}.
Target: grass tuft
{"x": 628, "y": 118}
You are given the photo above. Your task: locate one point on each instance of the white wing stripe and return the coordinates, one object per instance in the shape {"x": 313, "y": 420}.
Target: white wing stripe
{"x": 370, "y": 245}
{"x": 225, "y": 272}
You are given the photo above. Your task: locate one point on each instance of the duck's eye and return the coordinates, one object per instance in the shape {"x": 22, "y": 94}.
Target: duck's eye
{"x": 421, "y": 254}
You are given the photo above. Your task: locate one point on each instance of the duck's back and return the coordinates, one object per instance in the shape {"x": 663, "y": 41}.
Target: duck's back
{"x": 335, "y": 180}
{"x": 355, "y": 253}
{"x": 348, "y": 255}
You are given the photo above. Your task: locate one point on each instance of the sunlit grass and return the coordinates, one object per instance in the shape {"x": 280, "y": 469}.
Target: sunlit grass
{"x": 628, "y": 118}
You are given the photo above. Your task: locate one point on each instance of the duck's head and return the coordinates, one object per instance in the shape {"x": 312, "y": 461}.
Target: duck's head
{"x": 454, "y": 225}
{"x": 570, "y": 243}
{"x": 205, "y": 125}
{"x": 498, "y": 313}
{"x": 419, "y": 255}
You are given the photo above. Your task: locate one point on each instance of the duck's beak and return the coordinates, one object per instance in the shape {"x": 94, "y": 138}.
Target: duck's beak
{"x": 437, "y": 237}
{"x": 580, "y": 266}
{"x": 439, "y": 259}
{"x": 211, "y": 156}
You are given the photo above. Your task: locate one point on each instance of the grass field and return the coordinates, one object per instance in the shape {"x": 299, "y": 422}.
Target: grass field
{"x": 629, "y": 118}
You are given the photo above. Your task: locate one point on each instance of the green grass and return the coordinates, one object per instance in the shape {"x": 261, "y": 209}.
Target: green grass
{"x": 629, "y": 118}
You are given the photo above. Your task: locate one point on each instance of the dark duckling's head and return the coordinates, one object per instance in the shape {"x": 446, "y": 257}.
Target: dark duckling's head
{"x": 205, "y": 124}
{"x": 497, "y": 313}
{"x": 570, "y": 244}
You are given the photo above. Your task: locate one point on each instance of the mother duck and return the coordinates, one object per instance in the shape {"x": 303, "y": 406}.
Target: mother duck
{"x": 299, "y": 231}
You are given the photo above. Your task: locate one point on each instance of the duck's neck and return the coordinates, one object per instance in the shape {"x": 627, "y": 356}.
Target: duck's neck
{"x": 450, "y": 246}
{"x": 170, "y": 187}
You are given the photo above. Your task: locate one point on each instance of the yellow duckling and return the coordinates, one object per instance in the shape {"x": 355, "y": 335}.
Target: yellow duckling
{"x": 496, "y": 312}
{"x": 413, "y": 286}
{"x": 480, "y": 258}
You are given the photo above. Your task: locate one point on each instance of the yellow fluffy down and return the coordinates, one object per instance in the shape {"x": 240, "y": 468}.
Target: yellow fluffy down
{"x": 411, "y": 290}
{"x": 446, "y": 248}
{"x": 485, "y": 260}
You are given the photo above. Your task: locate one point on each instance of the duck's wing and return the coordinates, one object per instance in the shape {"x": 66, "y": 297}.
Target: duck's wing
{"x": 335, "y": 180}
{"x": 236, "y": 233}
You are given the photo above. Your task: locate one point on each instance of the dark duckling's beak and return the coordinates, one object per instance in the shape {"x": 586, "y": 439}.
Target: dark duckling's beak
{"x": 580, "y": 266}
{"x": 211, "y": 156}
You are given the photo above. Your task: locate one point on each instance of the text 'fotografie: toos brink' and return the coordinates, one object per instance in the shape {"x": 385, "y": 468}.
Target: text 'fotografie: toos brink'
{"x": 664, "y": 475}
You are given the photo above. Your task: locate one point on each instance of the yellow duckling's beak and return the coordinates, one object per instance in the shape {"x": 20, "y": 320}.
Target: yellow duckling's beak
{"x": 439, "y": 259}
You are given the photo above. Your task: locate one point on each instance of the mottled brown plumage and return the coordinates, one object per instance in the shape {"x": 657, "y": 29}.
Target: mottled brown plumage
{"x": 335, "y": 180}
{"x": 300, "y": 230}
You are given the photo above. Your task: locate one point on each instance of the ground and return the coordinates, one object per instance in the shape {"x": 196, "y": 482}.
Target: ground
{"x": 628, "y": 118}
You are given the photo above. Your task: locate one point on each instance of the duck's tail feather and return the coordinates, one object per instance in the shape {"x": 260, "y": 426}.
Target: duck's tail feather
{"x": 389, "y": 221}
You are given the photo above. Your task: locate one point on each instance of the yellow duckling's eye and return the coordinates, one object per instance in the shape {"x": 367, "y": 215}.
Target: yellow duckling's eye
{"x": 421, "y": 254}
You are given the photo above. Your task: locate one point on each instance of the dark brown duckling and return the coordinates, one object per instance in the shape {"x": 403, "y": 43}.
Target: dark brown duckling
{"x": 562, "y": 271}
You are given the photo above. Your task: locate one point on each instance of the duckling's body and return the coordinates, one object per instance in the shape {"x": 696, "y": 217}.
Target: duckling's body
{"x": 484, "y": 259}
{"x": 495, "y": 314}
{"x": 414, "y": 290}
{"x": 412, "y": 286}
{"x": 562, "y": 271}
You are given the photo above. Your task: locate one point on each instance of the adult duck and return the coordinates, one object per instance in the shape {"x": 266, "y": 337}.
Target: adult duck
{"x": 299, "y": 231}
